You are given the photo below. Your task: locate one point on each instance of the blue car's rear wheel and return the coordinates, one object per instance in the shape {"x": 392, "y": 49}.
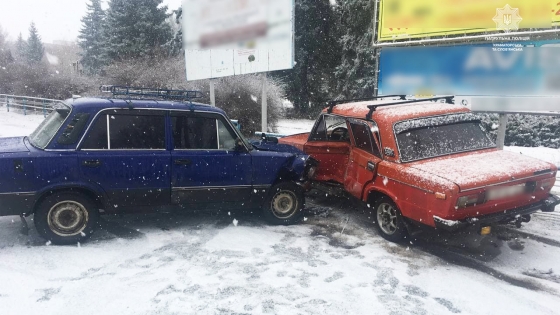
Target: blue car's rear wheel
{"x": 66, "y": 218}
{"x": 284, "y": 204}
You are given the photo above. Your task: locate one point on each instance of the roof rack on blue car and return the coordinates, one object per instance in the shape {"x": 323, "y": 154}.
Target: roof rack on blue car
{"x": 141, "y": 92}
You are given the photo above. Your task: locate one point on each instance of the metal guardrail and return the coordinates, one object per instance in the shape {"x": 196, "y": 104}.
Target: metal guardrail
{"x": 27, "y": 104}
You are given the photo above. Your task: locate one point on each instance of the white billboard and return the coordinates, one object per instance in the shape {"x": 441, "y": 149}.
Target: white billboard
{"x": 232, "y": 37}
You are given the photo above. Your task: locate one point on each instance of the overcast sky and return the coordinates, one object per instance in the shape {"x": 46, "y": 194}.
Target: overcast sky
{"x": 55, "y": 19}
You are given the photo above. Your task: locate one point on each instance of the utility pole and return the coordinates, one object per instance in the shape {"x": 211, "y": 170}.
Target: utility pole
{"x": 212, "y": 93}
{"x": 264, "y": 108}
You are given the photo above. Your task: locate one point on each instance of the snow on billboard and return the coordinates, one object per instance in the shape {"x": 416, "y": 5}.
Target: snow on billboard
{"x": 232, "y": 37}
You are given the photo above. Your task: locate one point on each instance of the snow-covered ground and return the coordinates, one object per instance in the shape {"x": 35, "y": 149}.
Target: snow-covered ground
{"x": 331, "y": 263}
{"x": 293, "y": 126}
{"x": 13, "y": 124}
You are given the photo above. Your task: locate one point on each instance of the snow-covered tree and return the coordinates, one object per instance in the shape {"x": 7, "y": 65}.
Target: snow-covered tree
{"x": 175, "y": 45}
{"x": 5, "y": 53}
{"x": 526, "y": 130}
{"x": 135, "y": 28}
{"x": 35, "y": 49}
{"x": 356, "y": 73}
{"x": 91, "y": 38}
{"x": 21, "y": 48}
{"x": 311, "y": 81}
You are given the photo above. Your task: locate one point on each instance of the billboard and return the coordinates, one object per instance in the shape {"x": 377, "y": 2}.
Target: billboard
{"x": 529, "y": 68}
{"x": 232, "y": 37}
{"x": 401, "y": 19}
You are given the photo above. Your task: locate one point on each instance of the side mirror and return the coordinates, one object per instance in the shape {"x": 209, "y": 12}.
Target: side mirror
{"x": 272, "y": 139}
{"x": 239, "y": 146}
{"x": 266, "y": 138}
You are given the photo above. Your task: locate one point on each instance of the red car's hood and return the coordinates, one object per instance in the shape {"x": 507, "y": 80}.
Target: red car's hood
{"x": 485, "y": 168}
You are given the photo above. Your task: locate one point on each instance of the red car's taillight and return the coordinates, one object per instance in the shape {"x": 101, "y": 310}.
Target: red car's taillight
{"x": 546, "y": 184}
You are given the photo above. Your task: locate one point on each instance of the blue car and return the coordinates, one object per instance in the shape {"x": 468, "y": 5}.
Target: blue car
{"x": 93, "y": 156}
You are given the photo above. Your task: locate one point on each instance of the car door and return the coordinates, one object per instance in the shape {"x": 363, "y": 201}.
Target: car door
{"x": 364, "y": 157}
{"x": 124, "y": 152}
{"x": 329, "y": 143}
{"x": 207, "y": 170}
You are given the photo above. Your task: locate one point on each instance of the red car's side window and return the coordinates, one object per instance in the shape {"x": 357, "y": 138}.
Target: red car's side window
{"x": 330, "y": 128}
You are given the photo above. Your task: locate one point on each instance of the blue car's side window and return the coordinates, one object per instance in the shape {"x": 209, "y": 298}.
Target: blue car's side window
{"x": 119, "y": 130}
{"x": 74, "y": 129}
{"x": 196, "y": 132}
{"x": 136, "y": 132}
{"x": 192, "y": 133}
{"x": 96, "y": 138}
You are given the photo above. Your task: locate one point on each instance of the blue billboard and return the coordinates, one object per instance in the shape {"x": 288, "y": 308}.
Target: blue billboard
{"x": 493, "y": 69}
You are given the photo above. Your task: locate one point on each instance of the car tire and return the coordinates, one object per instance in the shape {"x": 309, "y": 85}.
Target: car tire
{"x": 66, "y": 218}
{"x": 389, "y": 220}
{"x": 284, "y": 205}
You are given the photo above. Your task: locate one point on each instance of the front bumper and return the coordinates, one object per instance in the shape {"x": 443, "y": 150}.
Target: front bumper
{"x": 506, "y": 216}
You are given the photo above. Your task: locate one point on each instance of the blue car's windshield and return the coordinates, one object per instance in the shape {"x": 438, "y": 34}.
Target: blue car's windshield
{"x": 48, "y": 128}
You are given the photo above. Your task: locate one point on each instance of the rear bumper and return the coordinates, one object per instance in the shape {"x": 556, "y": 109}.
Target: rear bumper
{"x": 547, "y": 205}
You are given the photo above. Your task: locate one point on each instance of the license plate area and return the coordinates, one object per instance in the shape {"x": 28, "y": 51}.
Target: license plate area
{"x": 505, "y": 192}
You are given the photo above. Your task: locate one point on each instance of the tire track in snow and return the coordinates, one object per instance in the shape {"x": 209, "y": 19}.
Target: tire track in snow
{"x": 459, "y": 259}
{"x": 448, "y": 254}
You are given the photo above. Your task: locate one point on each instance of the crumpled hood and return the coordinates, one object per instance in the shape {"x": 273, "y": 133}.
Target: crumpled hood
{"x": 276, "y": 147}
{"x": 481, "y": 169}
{"x": 13, "y": 145}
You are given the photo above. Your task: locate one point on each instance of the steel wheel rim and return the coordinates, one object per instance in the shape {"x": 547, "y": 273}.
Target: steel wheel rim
{"x": 67, "y": 218}
{"x": 387, "y": 218}
{"x": 283, "y": 204}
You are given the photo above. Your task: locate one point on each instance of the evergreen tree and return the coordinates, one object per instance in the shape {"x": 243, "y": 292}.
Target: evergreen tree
{"x": 135, "y": 28}
{"x": 317, "y": 53}
{"x": 91, "y": 38}
{"x": 35, "y": 49}
{"x": 21, "y": 48}
{"x": 5, "y": 53}
{"x": 175, "y": 45}
{"x": 355, "y": 74}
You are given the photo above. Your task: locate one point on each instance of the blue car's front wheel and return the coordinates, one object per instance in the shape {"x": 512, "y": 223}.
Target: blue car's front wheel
{"x": 66, "y": 218}
{"x": 284, "y": 204}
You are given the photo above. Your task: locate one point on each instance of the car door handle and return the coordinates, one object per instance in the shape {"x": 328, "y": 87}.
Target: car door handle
{"x": 370, "y": 166}
{"x": 182, "y": 162}
{"x": 91, "y": 163}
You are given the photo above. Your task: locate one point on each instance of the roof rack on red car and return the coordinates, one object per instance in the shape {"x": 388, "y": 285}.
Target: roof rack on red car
{"x": 168, "y": 94}
{"x": 332, "y": 104}
{"x": 448, "y": 99}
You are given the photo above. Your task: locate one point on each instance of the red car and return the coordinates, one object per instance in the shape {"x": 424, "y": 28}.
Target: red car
{"x": 424, "y": 162}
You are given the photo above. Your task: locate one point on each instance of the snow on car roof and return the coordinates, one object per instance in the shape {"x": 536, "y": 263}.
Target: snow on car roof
{"x": 396, "y": 112}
